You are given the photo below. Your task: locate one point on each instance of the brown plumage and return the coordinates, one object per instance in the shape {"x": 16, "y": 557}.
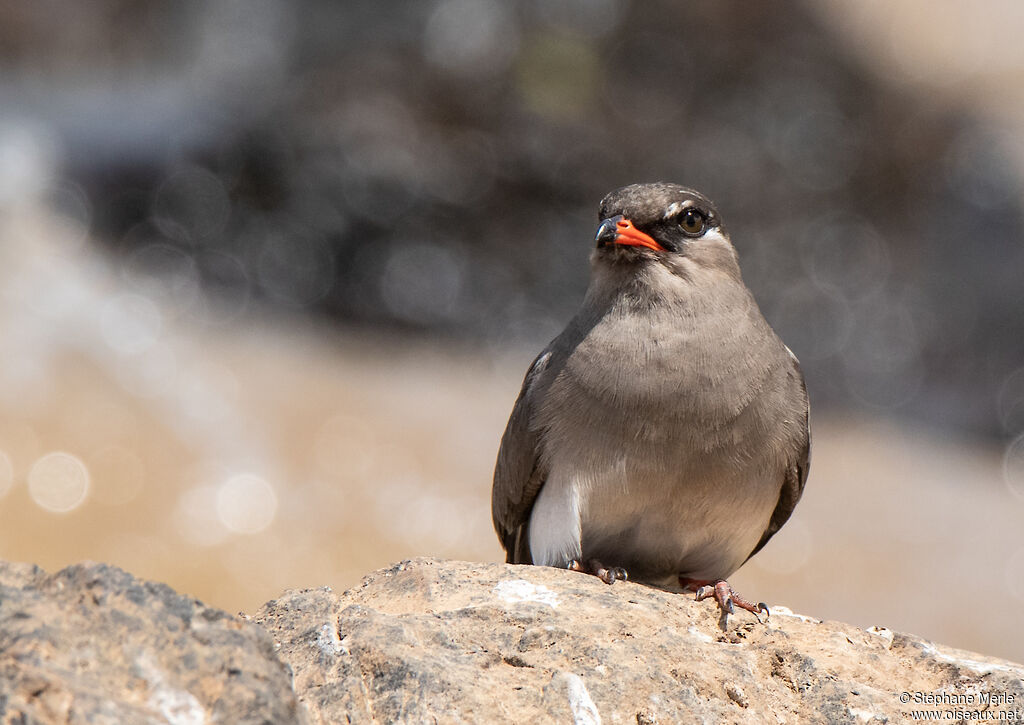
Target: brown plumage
{"x": 665, "y": 430}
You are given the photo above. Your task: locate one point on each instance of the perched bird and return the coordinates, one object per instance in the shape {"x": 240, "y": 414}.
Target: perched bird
{"x": 663, "y": 435}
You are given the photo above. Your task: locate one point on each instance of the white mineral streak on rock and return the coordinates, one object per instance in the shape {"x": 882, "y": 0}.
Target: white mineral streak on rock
{"x": 514, "y": 591}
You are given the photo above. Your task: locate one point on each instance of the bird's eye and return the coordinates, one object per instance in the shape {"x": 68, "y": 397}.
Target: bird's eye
{"x": 692, "y": 222}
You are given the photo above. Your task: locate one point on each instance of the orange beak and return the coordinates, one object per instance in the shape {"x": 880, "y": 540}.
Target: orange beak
{"x": 621, "y": 231}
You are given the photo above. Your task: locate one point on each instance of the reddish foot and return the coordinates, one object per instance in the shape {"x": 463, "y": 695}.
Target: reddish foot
{"x": 724, "y": 595}
{"x": 605, "y": 574}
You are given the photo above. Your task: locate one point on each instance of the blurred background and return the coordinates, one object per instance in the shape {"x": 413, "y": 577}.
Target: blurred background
{"x": 271, "y": 273}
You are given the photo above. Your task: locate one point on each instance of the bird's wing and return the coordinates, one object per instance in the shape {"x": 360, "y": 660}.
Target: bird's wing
{"x": 796, "y": 470}
{"x": 519, "y": 474}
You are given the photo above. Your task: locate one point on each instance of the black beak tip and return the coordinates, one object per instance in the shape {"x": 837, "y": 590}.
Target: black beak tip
{"x": 606, "y": 233}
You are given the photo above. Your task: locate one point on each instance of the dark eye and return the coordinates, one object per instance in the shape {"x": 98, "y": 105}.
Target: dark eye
{"x": 692, "y": 222}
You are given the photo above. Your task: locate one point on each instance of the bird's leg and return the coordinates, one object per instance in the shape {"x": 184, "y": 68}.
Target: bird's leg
{"x": 608, "y": 575}
{"x": 724, "y": 595}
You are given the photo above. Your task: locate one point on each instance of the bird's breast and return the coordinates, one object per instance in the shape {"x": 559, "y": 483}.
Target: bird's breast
{"x": 653, "y": 427}
{"x": 652, "y": 371}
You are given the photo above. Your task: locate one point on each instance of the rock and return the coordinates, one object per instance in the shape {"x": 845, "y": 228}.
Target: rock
{"x": 434, "y": 641}
{"x": 94, "y": 644}
{"x": 455, "y": 642}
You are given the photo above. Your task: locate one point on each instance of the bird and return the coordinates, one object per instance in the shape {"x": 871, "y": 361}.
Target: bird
{"x": 663, "y": 436}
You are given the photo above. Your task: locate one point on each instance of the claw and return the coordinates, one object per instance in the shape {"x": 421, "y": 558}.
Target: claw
{"x": 726, "y": 597}
{"x": 609, "y": 575}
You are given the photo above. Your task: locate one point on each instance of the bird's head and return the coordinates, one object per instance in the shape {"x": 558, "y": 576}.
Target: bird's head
{"x": 662, "y": 222}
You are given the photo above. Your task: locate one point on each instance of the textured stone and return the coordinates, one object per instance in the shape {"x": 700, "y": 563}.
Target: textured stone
{"x": 93, "y": 644}
{"x": 455, "y": 642}
{"x": 431, "y": 641}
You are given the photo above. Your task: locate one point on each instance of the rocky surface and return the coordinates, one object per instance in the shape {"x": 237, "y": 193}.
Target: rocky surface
{"x": 456, "y": 642}
{"x": 432, "y": 641}
{"x": 93, "y": 644}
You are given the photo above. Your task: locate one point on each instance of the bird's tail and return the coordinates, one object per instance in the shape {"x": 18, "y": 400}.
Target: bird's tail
{"x": 517, "y": 546}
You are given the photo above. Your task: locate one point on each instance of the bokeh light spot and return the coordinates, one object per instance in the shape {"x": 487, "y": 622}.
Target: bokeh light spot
{"x": 246, "y": 504}
{"x": 58, "y": 482}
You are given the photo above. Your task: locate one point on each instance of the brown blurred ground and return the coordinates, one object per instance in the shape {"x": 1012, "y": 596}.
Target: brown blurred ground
{"x": 235, "y": 463}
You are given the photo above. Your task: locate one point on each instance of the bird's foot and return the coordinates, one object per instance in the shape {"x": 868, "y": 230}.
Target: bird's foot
{"x": 609, "y": 575}
{"x": 724, "y": 594}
